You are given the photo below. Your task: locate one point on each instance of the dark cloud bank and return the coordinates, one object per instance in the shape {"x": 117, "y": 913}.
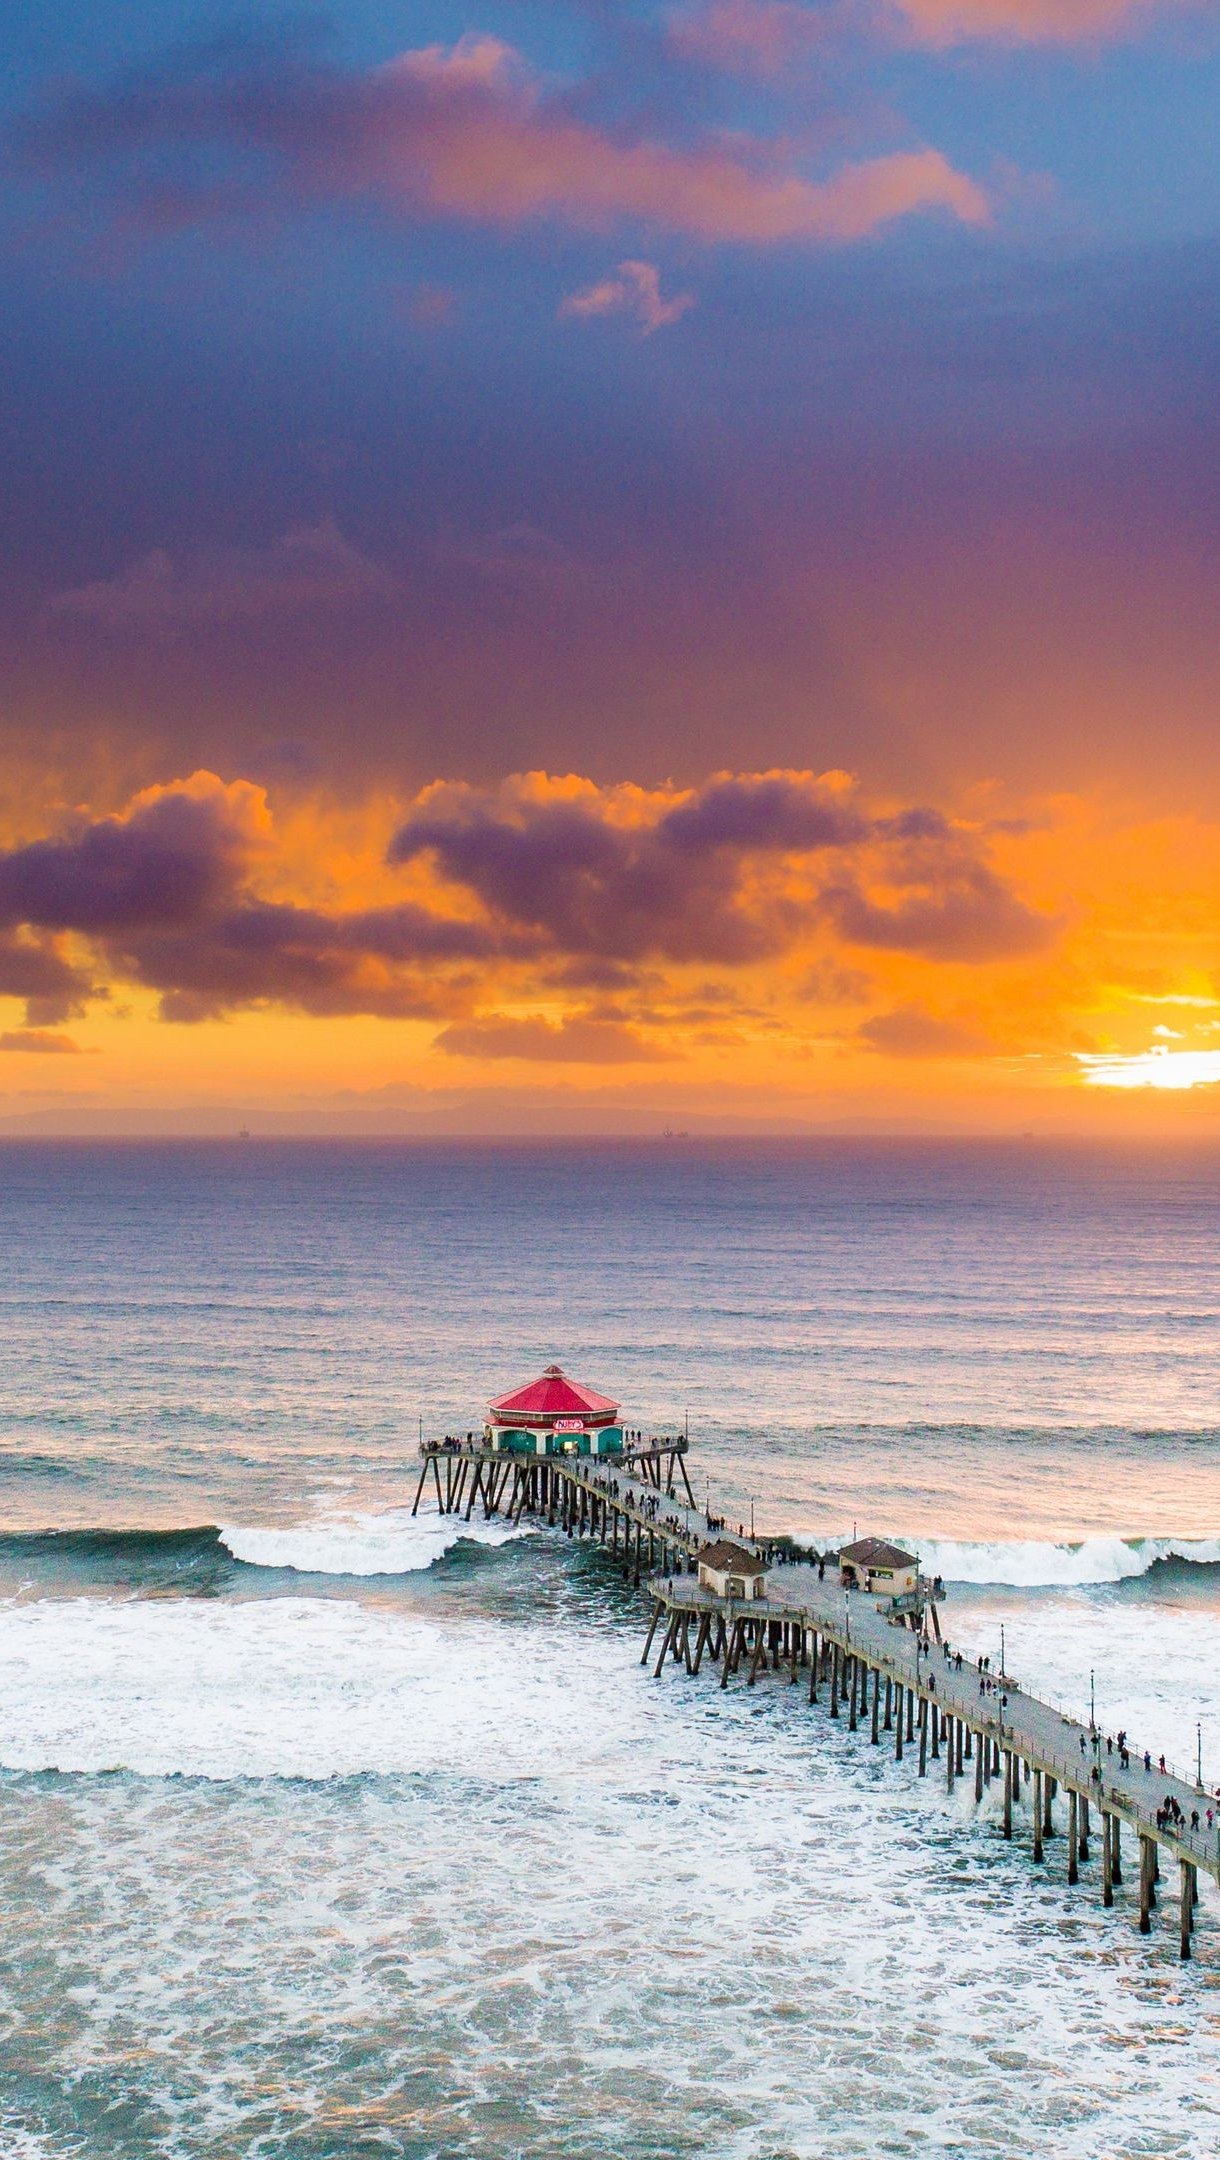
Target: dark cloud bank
{"x": 542, "y": 882}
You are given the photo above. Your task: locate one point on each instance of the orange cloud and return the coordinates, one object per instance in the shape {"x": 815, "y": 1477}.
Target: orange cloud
{"x": 495, "y": 149}
{"x": 634, "y": 289}
{"x": 911, "y": 1031}
{"x": 578, "y": 1039}
{"x": 694, "y": 945}
{"x": 42, "y": 1042}
{"x": 1034, "y": 22}
{"x": 463, "y": 132}
{"x": 749, "y": 37}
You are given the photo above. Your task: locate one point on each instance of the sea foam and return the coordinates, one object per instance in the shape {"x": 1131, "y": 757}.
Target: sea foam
{"x": 395, "y": 1543}
{"x": 296, "y": 1687}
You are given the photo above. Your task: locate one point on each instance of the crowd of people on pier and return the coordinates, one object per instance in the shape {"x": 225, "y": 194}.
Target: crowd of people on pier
{"x": 1171, "y": 1817}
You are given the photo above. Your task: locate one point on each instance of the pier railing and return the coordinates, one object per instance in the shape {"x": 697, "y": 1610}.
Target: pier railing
{"x": 639, "y": 1518}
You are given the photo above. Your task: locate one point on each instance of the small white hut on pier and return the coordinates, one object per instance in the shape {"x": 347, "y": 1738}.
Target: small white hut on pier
{"x": 872, "y": 1564}
{"x": 729, "y": 1571}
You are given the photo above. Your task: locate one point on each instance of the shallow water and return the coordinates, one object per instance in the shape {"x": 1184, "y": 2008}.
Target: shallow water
{"x": 325, "y": 1831}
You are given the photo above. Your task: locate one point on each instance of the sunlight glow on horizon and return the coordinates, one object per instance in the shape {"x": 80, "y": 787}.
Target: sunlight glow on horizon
{"x": 1159, "y": 1067}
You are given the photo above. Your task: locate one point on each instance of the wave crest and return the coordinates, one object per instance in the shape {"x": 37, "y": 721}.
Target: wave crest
{"x": 392, "y": 1544}
{"x": 1034, "y": 1564}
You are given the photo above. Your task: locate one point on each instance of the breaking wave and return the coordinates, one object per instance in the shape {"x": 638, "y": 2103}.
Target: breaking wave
{"x": 388, "y": 1544}
{"x": 391, "y": 1544}
{"x": 1035, "y": 1565}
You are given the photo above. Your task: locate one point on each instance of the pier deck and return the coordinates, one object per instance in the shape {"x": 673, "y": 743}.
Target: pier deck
{"x": 878, "y": 1669}
{"x": 1036, "y": 1731}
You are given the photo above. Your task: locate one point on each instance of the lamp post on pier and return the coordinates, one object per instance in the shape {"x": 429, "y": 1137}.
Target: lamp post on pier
{"x": 1003, "y": 1667}
{"x": 1092, "y": 1702}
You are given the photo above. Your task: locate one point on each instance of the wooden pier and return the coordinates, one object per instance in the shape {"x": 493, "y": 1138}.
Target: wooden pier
{"x": 873, "y": 1666}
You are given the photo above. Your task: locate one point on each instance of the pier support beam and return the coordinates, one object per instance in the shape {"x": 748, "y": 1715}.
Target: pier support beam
{"x": 1073, "y": 1821}
{"x": 898, "y": 1721}
{"x": 670, "y": 1638}
{"x": 1188, "y": 1891}
{"x": 923, "y": 1736}
{"x": 950, "y": 1738}
{"x": 1084, "y": 1827}
{"x": 1037, "y": 1814}
{"x": 1009, "y": 1768}
{"x": 874, "y": 1735}
{"x": 1109, "y": 1824}
{"x": 978, "y": 1770}
{"x": 1147, "y": 1890}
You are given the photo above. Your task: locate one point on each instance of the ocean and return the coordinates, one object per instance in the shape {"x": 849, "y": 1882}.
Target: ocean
{"x": 327, "y": 1831}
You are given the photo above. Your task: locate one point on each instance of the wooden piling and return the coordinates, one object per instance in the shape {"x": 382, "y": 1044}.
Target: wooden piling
{"x": 1108, "y": 1825}
{"x": 1187, "y": 1892}
{"x": 1037, "y": 1814}
{"x": 1073, "y": 1834}
{"x": 657, "y": 1610}
{"x": 1147, "y": 1893}
{"x": 667, "y": 1645}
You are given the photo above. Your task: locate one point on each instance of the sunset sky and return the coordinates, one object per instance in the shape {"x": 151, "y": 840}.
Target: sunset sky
{"x": 591, "y": 567}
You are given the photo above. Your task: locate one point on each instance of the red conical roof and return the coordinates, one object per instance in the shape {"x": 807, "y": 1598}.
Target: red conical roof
{"x": 554, "y": 1395}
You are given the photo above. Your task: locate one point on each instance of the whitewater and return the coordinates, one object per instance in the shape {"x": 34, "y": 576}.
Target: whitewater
{"x": 327, "y": 1830}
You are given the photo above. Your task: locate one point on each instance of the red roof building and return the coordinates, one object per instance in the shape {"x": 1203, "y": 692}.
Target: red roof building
{"x": 554, "y": 1395}
{"x": 555, "y": 1410}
